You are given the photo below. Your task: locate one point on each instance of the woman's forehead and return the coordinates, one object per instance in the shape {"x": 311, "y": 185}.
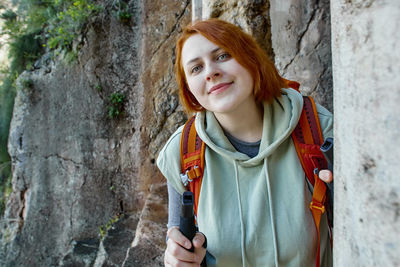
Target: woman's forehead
{"x": 197, "y": 46}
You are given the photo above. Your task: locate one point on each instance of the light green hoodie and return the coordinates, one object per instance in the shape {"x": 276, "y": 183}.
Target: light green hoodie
{"x": 255, "y": 211}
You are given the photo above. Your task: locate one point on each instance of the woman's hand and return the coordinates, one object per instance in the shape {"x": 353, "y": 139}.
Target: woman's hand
{"x": 177, "y": 253}
{"x": 326, "y": 176}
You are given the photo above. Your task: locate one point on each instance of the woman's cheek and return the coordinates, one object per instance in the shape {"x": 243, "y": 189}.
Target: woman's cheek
{"x": 195, "y": 86}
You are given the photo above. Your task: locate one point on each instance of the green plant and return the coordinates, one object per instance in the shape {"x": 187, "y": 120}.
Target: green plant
{"x": 27, "y": 83}
{"x": 71, "y": 56}
{"x": 68, "y": 22}
{"x": 25, "y": 49}
{"x": 103, "y": 229}
{"x": 124, "y": 16}
{"x": 98, "y": 87}
{"x": 116, "y": 106}
{"x": 9, "y": 18}
{"x": 5, "y": 184}
{"x": 121, "y": 11}
{"x": 7, "y": 95}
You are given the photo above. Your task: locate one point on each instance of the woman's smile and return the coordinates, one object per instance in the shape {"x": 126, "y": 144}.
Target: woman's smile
{"x": 219, "y": 88}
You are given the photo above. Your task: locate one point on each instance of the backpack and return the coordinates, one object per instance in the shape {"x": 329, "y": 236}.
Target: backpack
{"x": 307, "y": 138}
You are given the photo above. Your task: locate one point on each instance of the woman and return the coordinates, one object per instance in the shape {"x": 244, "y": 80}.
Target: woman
{"x": 254, "y": 201}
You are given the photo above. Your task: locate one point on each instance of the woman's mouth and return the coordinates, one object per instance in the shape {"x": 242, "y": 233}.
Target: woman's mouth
{"x": 219, "y": 88}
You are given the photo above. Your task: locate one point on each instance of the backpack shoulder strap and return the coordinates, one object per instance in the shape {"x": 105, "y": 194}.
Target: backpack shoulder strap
{"x": 192, "y": 160}
{"x": 307, "y": 138}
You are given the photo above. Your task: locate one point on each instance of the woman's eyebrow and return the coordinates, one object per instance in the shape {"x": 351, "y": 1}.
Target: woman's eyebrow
{"x": 216, "y": 50}
{"x": 197, "y": 58}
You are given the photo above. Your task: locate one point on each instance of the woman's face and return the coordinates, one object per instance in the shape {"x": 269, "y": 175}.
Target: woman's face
{"x": 219, "y": 83}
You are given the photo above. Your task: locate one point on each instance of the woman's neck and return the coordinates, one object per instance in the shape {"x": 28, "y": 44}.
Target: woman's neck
{"x": 245, "y": 123}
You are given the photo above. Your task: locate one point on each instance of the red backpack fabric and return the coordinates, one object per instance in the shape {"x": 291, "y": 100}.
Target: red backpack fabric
{"x": 307, "y": 138}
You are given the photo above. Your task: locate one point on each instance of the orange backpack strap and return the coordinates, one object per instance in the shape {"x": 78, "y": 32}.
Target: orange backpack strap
{"x": 307, "y": 138}
{"x": 192, "y": 160}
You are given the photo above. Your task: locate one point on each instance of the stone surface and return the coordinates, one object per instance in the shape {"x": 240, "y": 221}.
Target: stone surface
{"x": 74, "y": 168}
{"x": 120, "y": 235}
{"x": 145, "y": 247}
{"x": 252, "y": 16}
{"x": 301, "y": 45}
{"x": 57, "y": 181}
{"x": 162, "y": 114}
{"x": 366, "y": 65}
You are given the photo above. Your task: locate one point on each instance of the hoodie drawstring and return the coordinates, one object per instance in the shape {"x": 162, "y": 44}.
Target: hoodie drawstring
{"x": 271, "y": 214}
{"x": 240, "y": 215}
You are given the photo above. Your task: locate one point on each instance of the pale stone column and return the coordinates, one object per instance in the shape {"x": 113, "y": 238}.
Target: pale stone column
{"x": 197, "y": 7}
{"x": 366, "y": 67}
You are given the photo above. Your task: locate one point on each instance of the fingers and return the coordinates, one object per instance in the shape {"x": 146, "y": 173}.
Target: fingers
{"x": 326, "y": 176}
{"x": 200, "y": 244}
{"x": 177, "y": 255}
{"x": 199, "y": 240}
{"x": 179, "y": 252}
{"x": 174, "y": 262}
{"x": 176, "y": 235}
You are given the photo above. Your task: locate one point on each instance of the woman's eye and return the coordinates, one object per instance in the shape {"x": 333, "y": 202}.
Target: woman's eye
{"x": 196, "y": 69}
{"x": 223, "y": 56}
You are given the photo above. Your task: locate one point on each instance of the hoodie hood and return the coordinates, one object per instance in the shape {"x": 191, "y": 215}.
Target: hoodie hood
{"x": 280, "y": 118}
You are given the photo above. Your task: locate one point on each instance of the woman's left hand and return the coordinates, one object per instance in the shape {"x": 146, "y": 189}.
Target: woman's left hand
{"x": 326, "y": 176}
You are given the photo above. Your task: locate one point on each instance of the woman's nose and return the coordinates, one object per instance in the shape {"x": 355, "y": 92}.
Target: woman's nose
{"x": 212, "y": 73}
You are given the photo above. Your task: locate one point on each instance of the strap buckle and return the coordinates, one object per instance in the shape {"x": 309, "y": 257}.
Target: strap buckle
{"x": 185, "y": 177}
{"x": 317, "y": 206}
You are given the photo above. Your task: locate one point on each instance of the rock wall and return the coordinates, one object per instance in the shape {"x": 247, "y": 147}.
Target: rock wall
{"x": 301, "y": 43}
{"x": 75, "y": 170}
{"x": 252, "y": 16}
{"x": 365, "y": 63}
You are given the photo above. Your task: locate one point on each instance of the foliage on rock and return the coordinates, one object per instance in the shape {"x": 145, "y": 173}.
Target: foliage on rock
{"x": 116, "y": 106}
{"x": 32, "y": 28}
{"x": 121, "y": 11}
{"x": 68, "y": 21}
{"x": 103, "y": 229}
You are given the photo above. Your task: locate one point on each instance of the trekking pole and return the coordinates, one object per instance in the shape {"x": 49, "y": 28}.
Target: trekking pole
{"x": 187, "y": 225}
{"x": 327, "y": 150}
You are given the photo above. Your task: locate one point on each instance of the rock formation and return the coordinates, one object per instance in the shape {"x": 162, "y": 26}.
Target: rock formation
{"x": 302, "y": 45}
{"x": 75, "y": 170}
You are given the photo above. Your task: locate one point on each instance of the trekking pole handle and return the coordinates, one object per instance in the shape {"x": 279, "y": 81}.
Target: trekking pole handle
{"x": 187, "y": 223}
{"x": 327, "y": 150}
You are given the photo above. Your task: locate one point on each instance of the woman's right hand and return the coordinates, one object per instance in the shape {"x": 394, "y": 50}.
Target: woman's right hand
{"x": 177, "y": 253}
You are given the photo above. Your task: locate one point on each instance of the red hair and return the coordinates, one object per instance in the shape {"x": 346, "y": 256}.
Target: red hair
{"x": 242, "y": 47}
